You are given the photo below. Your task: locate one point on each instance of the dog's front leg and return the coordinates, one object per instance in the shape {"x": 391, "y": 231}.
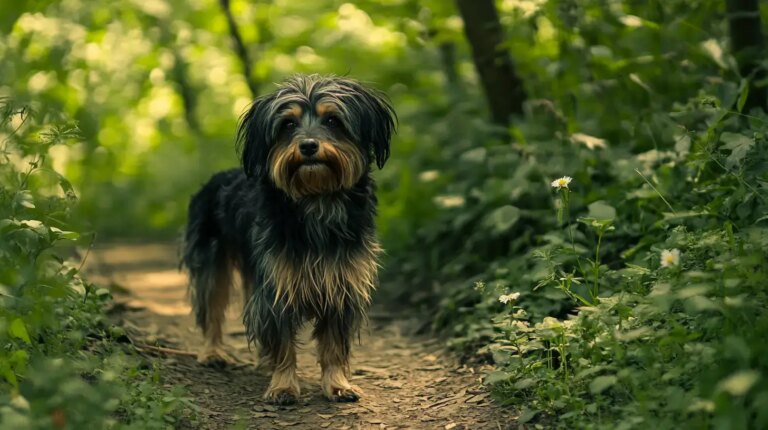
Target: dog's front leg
{"x": 277, "y": 341}
{"x": 284, "y": 387}
{"x": 333, "y": 334}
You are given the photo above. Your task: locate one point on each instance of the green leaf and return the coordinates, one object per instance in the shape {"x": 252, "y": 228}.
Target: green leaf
{"x": 602, "y": 383}
{"x": 496, "y": 376}
{"x": 525, "y": 383}
{"x": 67, "y": 187}
{"x": 19, "y": 330}
{"x": 743, "y": 95}
{"x": 500, "y": 220}
{"x": 589, "y": 371}
{"x": 9, "y": 376}
{"x": 739, "y": 383}
{"x": 630, "y": 335}
{"x": 738, "y": 144}
{"x": 65, "y": 235}
{"x": 601, "y": 210}
{"x": 527, "y": 415}
{"x": 634, "y": 77}
{"x": 25, "y": 199}
{"x": 476, "y": 155}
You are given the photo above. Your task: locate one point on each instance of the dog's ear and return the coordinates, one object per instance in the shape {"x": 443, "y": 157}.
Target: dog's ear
{"x": 377, "y": 120}
{"x": 254, "y": 136}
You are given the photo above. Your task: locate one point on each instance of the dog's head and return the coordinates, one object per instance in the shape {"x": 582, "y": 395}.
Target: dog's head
{"x": 316, "y": 134}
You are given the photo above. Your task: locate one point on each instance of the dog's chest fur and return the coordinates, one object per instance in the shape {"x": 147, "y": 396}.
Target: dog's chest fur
{"x": 334, "y": 269}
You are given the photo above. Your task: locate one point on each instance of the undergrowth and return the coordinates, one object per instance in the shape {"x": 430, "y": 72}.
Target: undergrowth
{"x": 62, "y": 363}
{"x": 633, "y": 293}
{"x": 642, "y": 304}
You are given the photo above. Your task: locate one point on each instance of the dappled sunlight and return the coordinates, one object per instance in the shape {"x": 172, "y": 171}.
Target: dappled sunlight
{"x": 163, "y": 293}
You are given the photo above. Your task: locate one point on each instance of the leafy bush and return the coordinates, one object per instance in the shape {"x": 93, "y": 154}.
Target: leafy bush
{"x": 665, "y": 165}
{"x": 668, "y": 330}
{"x": 60, "y": 364}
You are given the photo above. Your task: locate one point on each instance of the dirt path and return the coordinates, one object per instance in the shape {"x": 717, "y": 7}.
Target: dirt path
{"x": 409, "y": 381}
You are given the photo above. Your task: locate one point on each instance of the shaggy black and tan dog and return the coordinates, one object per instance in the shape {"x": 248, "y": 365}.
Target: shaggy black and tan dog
{"x": 297, "y": 223}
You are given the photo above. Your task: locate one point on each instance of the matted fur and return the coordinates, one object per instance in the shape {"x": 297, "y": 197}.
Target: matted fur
{"x": 297, "y": 224}
{"x": 319, "y": 283}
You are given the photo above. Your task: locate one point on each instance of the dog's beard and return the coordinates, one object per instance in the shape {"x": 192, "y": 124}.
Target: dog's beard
{"x": 338, "y": 167}
{"x": 314, "y": 179}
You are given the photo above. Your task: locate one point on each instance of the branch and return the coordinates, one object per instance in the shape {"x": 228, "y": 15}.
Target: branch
{"x": 185, "y": 89}
{"x": 240, "y": 49}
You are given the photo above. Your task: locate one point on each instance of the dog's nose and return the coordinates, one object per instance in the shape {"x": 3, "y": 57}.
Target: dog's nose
{"x": 308, "y": 147}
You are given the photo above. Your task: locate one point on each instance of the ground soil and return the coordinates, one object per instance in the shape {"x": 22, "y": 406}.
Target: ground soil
{"x": 409, "y": 381}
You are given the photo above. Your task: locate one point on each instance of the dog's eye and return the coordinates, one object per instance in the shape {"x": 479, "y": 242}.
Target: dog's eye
{"x": 331, "y": 121}
{"x": 289, "y": 125}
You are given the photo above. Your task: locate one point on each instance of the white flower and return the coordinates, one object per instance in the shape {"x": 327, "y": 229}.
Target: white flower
{"x": 670, "y": 258}
{"x": 506, "y": 298}
{"x": 562, "y": 182}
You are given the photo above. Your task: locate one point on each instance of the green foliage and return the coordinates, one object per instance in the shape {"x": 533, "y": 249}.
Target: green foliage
{"x": 157, "y": 90}
{"x": 640, "y": 103}
{"x": 601, "y": 334}
{"x": 60, "y": 364}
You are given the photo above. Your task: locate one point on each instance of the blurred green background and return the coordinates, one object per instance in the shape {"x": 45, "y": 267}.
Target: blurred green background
{"x": 157, "y": 88}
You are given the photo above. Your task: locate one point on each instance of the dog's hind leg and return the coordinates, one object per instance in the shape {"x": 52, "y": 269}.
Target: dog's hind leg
{"x": 211, "y": 288}
{"x": 333, "y": 333}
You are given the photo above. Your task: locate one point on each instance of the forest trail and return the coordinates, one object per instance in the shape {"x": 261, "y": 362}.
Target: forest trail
{"x": 409, "y": 381}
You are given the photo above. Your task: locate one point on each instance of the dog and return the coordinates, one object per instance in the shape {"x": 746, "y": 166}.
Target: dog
{"x": 296, "y": 223}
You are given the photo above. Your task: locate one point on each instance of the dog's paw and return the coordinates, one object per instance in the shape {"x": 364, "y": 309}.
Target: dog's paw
{"x": 215, "y": 357}
{"x": 344, "y": 395}
{"x": 281, "y": 396}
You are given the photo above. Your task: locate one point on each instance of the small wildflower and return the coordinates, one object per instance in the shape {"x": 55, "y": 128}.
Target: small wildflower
{"x": 562, "y": 182}
{"x": 506, "y": 298}
{"x": 670, "y": 258}
{"x": 479, "y": 286}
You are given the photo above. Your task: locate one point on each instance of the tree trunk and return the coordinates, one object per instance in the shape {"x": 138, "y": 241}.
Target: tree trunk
{"x": 502, "y": 86}
{"x": 240, "y": 48}
{"x": 748, "y": 46}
